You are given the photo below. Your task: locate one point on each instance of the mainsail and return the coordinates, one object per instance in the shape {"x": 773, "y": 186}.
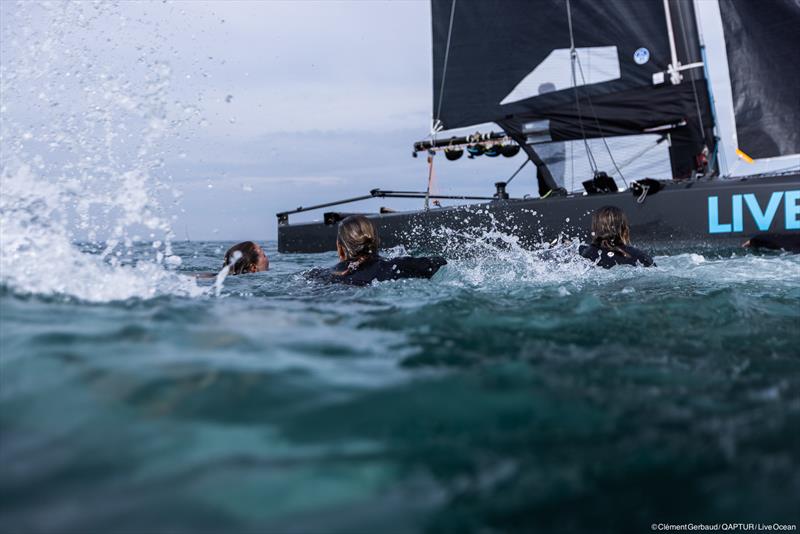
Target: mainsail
{"x": 636, "y": 68}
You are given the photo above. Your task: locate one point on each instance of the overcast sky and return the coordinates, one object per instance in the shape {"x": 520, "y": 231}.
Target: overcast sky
{"x": 294, "y": 103}
{"x": 250, "y": 107}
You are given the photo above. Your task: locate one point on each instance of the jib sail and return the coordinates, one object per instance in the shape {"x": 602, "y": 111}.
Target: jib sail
{"x": 752, "y": 61}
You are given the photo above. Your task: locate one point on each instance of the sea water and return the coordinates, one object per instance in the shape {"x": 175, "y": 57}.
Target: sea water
{"x": 508, "y": 393}
{"x": 518, "y": 390}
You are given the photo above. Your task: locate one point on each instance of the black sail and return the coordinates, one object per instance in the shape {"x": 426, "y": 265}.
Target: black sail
{"x": 762, "y": 41}
{"x": 495, "y": 45}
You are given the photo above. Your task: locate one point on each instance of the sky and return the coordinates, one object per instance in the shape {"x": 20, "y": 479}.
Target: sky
{"x": 293, "y": 103}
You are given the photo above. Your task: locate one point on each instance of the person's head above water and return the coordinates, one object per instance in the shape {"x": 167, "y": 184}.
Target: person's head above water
{"x": 610, "y": 228}
{"x": 245, "y": 257}
{"x": 356, "y": 239}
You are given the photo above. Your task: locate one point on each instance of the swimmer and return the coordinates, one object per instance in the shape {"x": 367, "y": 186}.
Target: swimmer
{"x": 789, "y": 243}
{"x": 611, "y": 240}
{"x": 250, "y": 259}
{"x": 246, "y": 257}
{"x": 357, "y": 244}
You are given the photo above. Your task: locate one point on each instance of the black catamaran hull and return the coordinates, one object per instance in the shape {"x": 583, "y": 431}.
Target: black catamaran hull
{"x": 710, "y": 215}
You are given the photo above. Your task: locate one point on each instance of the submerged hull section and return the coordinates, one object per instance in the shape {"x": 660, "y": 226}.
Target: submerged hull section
{"x": 715, "y": 214}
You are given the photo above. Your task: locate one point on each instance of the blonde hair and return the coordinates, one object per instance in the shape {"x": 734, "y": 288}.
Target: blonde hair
{"x": 610, "y": 229}
{"x": 357, "y": 238}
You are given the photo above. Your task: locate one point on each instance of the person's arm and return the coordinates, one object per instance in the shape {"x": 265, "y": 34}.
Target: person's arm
{"x": 642, "y": 257}
{"x": 321, "y": 274}
{"x": 789, "y": 243}
{"x": 588, "y": 251}
{"x": 409, "y": 267}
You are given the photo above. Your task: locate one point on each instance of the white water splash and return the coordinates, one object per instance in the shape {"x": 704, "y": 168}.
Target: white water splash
{"x": 84, "y": 136}
{"x": 491, "y": 260}
{"x": 38, "y": 255}
{"x": 778, "y": 268}
{"x": 488, "y": 259}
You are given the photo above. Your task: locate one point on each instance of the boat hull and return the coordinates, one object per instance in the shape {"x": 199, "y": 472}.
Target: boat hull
{"x": 714, "y": 214}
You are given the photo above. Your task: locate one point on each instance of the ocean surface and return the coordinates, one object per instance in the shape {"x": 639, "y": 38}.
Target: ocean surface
{"x": 516, "y": 391}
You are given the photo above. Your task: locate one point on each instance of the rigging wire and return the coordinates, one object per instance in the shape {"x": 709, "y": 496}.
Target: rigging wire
{"x": 599, "y": 128}
{"x": 638, "y": 155}
{"x": 444, "y": 67}
{"x": 571, "y": 166}
{"x": 436, "y": 126}
{"x": 576, "y": 59}
{"x": 694, "y": 86}
{"x": 573, "y": 55}
{"x": 517, "y": 171}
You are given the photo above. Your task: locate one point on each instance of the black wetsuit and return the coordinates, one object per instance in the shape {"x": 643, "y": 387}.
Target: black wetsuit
{"x": 609, "y": 258}
{"x": 378, "y": 269}
{"x": 789, "y": 243}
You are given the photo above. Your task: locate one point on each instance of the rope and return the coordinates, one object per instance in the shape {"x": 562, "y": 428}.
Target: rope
{"x": 430, "y": 180}
{"x": 446, "y": 58}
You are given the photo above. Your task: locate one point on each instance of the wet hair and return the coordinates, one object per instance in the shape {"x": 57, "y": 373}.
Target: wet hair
{"x": 247, "y": 262}
{"x": 358, "y": 239}
{"x": 610, "y": 230}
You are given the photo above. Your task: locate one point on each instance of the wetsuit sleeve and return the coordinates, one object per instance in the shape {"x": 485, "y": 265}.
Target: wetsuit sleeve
{"x": 641, "y": 257}
{"x": 326, "y": 274}
{"x": 318, "y": 273}
{"x": 408, "y": 267}
{"x": 588, "y": 252}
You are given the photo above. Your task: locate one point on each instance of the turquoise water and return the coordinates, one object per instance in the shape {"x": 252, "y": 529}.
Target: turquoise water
{"x": 513, "y": 392}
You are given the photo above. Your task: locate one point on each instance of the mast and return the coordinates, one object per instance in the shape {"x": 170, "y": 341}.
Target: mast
{"x": 674, "y": 74}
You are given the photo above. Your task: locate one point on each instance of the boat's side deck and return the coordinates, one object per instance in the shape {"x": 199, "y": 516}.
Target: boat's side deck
{"x": 714, "y": 212}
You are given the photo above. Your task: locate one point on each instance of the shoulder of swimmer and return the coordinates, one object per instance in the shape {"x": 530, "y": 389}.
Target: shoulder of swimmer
{"x": 382, "y": 269}
{"x": 624, "y": 254}
{"x": 409, "y": 266}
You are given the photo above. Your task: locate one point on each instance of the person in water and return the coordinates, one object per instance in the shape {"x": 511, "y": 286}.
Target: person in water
{"x": 611, "y": 241}
{"x": 789, "y": 243}
{"x": 245, "y": 257}
{"x": 357, "y": 244}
